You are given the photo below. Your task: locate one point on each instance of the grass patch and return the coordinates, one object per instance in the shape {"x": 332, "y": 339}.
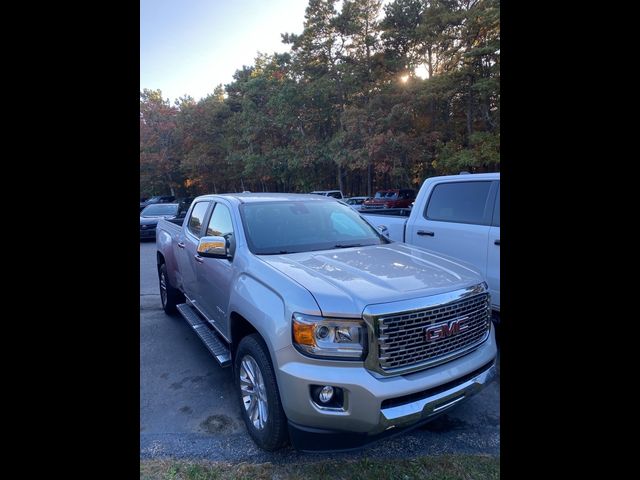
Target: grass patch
{"x": 442, "y": 467}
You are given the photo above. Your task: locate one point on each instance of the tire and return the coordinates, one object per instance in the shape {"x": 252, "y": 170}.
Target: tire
{"x": 169, "y": 295}
{"x": 271, "y": 434}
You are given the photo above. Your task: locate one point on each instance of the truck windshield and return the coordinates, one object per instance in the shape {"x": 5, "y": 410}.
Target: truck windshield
{"x": 160, "y": 209}
{"x": 275, "y": 228}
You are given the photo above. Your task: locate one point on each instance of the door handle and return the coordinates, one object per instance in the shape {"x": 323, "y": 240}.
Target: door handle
{"x": 198, "y": 258}
{"x": 180, "y": 245}
{"x": 423, "y": 232}
{"x": 497, "y": 242}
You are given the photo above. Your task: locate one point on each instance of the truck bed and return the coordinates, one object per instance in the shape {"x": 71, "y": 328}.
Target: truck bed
{"x": 173, "y": 227}
{"x": 396, "y": 212}
{"x": 395, "y": 223}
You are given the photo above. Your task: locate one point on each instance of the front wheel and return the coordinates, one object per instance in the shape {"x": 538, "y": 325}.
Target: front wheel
{"x": 258, "y": 393}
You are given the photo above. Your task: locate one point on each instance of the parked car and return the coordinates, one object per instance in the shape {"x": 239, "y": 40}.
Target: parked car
{"x": 458, "y": 216}
{"x": 395, "y": 198}
{"x": 356, "y": 202}
{"x": 337, "y": 335}
{"x": 151, "y": 214}
{"x": 329, "y": 193}
{"x": 157, "y": 199}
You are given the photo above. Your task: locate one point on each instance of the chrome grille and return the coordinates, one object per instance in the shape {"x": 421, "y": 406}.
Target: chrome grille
{"x": 402, "y": 341}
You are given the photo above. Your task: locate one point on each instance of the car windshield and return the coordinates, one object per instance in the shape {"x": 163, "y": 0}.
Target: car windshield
{"x": 304, "y": 226}
{"x": 160, "y": 209}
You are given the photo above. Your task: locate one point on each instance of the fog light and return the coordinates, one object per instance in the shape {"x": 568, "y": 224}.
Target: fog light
{"x": 326, "y": 394}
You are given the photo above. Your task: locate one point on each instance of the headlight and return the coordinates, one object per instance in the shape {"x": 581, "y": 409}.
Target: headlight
{"x": 329, "y": 337}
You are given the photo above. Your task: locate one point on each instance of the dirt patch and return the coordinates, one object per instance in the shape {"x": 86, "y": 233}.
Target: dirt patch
{"x": 492, "y": 420}
{"x": 445, "y": 423}
{"x": 178, "y": 385}
{"x": 217, "y": 424}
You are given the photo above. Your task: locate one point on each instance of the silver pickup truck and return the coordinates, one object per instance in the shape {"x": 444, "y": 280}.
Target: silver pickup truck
{"x": 337, "y": 336}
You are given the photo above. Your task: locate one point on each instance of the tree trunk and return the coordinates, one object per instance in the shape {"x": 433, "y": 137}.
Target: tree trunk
{"x": 469, "y": 118}
{"x": 369, "y": 179}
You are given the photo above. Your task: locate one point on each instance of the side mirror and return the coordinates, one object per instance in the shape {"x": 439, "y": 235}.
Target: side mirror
{"x": 213, "y": 247}
{"x": 383, "y": 230}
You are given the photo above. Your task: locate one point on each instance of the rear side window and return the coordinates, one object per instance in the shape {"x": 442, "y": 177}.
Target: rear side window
{"x": 197, "y": 217}
{"x": 463, "y": 202}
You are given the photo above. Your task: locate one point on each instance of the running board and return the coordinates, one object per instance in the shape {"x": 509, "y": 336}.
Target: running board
{"x": 217, "y": 348}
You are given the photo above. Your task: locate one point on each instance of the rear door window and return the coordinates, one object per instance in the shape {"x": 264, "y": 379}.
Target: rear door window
{"x": 463, "y": 202}
{"x": 197, "y": 217}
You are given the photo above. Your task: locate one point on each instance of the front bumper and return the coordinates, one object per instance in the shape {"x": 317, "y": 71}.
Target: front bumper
{"x": 376, "y": 407}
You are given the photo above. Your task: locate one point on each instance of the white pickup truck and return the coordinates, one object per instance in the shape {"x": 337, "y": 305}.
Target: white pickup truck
{"x": 457, "y": 216}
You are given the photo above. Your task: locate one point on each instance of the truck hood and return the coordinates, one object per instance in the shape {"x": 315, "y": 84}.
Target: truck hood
{"x": 345, "y": 281}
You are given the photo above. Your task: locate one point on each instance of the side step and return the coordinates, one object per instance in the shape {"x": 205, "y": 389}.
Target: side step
{"x": 206, "y": 334}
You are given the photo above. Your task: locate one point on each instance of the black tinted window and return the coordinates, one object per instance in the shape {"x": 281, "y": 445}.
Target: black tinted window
{"x": 197, "y": 217}
{"x": 220, "y": 224}
{"x": 496, "y": 210}
{"x": 463, "y": 202}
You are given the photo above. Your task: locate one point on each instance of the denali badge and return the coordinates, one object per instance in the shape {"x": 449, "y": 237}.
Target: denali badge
{"x": 443, "y": 330}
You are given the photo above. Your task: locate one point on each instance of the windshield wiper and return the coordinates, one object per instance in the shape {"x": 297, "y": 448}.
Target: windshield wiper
{"x": 347, "y": 245}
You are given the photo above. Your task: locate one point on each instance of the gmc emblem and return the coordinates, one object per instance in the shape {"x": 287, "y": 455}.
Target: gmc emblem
{"x": 444, "y": 330}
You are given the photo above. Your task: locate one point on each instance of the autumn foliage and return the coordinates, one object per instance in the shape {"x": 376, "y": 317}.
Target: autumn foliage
{"x": 343, "y": 109}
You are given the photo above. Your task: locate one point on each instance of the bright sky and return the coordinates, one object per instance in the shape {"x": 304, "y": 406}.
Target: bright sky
{"x": 190, "y": 46}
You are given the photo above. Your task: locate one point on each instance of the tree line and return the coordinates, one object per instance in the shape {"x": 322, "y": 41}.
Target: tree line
{"x": 343, "y": 109}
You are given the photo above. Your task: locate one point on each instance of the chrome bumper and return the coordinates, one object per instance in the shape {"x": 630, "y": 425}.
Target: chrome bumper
{"x": 422, "y": 409}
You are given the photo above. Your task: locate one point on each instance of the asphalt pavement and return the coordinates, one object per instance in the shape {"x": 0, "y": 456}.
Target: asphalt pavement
{"x": 188, "y": 408}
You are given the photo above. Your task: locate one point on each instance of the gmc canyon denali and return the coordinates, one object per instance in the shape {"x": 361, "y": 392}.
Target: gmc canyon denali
{"x": 336, "y": 335}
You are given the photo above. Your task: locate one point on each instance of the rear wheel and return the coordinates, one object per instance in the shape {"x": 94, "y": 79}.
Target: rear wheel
{"x": 169, "y": 296}
{"x": 258, "y": 393}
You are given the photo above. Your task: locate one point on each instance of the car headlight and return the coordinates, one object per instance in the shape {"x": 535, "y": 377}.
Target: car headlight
{"x": 329, "y": 337}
